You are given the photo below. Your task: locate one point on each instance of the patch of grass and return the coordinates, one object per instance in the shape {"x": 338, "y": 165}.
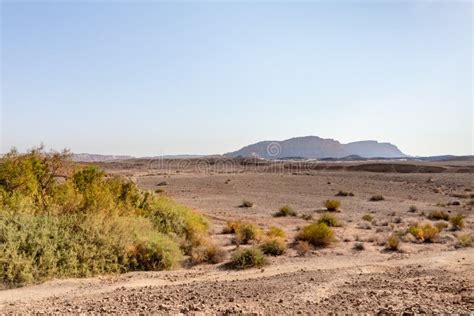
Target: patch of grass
{"x": 247, "y": 232}
{"x": 274, "y": 246}
{"x": 457, "y": 221}
{"x": 231, "y": 227}
{"x": 438, "y": 215}
{"x": 317, "y": 234}
{"x": 329, "y": 219}
{"x": 359, "y": 246}
{"x": 246, "y": 204}
{"x": 285, "y": 211}
{"x": 368, "y": 218}
{"x": 393, "y": 242}
{"x": 464, "y": 241}
{"x": 332, "y": 205}
{"x": 247, "y": 258}
{"x": 376, "y": 198}
{"x": 276, "y": 232}
{"x": 344, "y": 193}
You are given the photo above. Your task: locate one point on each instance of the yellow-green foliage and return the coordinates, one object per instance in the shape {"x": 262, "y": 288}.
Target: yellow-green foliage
{"x": 231, "y": 227}
{"x": 368, "y": 217}
{"x": 247, "y": 258}
{"x": 317, "y": 234}
{"x": 440, "y": 226}
{"x": 276, "y": 232}
{"x": 274, "y": 246}
{"x": 329, "y": 220}
{"x": 426, "y": 233}
{"x": 457, "y": 221}
{"x": 247, "y": 232}
{"x": 285, "y": 211}
{"x": 85, "y": 224}
{"x": 438, "y": 215}
{"x": 464, "y": 240}
{"x": 332, "y": 205}
{"x": 393, "y": 242}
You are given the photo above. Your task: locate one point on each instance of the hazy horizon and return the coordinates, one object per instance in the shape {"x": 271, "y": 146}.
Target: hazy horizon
{"x": 158, "y": 78}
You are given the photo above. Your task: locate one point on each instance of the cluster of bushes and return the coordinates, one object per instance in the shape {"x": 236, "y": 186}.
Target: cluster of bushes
{"x": 59, "y": 220}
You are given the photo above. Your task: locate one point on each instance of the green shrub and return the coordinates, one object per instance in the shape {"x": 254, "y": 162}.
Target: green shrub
{"x": 332, "y": 205}
{"x": 319, "y": 235}
{"x": 457, "y": 221}
{"x": 438, "y": 215}
{"x": 276, "y": 232}
{"x": 246, "y": 204}
{"x": 247, "y": 258}
{"x": 274, "y": 246}
{"x": 376, "y": 198}
{"x": 368, "y": 218}
{"x": 285, "y": 211}
{"x": 426, "y": 233}
{"x": 329, "y": 219}
{"x": 464, "y": 240}
{"x": 247, "y": 232}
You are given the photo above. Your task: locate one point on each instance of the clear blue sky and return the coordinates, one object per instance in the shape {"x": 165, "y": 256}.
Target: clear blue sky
{"x": 155, "y": 78}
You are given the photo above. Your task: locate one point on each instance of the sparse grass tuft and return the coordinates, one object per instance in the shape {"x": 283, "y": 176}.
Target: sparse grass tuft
{"x": 457, "y": 221}
{"x": 359, "y": 246}
{"x": 368, "y": 218}
{"x": 302, "y": 248}
{"x": 247, "y": 258}
{"x": 438, "y": 215}
{"x": 332, "y": 205}
{"x": 307, "y": 217}
{"x": 209, "y": 253}
{"x": 440, "y": 226}
{"x": 274, "y": 246}
{"x": 393, "y": 242}
{"x": 231, "y": 227}
{"x": 317, "y": 234}
{"x": 285, "y": 211}
{"x": 464, "y": 241}
{"x": 376, "y": 198}
{"x": 247, "y": 232}
{"x": 329, "y": 219}
{"x": 412, "y": 209}
{"x": 246, "y": 204}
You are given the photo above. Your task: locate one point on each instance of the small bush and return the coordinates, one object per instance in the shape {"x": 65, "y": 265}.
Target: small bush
{"x": 359, "y": 246}
{"x": 393, "y": 242}
{"x": 440, "y": 226}
{"x": 247, "y": 232}
{"x": 246, "y": 204}
{"x": 307, "y": 217}
{"x": 231, "y": 227}
{"x": 368, "y": 218}
{"x": 276, "y": 232}
{"x": 318, "y": 235}
{"x": 416, "y": 231}
{"x": 344, "y": 193}
{"x": 376, "y": 198}
{"x": 162, "y": 183}
{"x": 412, "y": 209}
{"x": 302, "y": 248}
{"x": 457, "y": 221}
{"x": 247, "y": 258}
{"x": 438, "y": 215}
{"x": 332, "y": 205}
{"x": 464, "y": 241}
{"x": 426, "y": 233}
{"x": 207, "y": 253}
{"x": 285, "y": 211}
{"x": 274, "y": 246}
{"x": 329, "y": 220}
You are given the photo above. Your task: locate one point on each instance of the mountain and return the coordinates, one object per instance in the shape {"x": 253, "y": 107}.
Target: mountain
{"x": 313, "y": 147}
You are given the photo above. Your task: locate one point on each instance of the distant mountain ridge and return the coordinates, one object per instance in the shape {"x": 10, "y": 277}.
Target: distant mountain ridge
{"x": 314, "y": 147}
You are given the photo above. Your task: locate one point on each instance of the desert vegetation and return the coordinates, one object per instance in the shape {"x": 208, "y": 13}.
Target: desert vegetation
{"x": 316, "y": 234}
{"x": 332, "y": 205}
{"x": 285, "y": 211}
{"x": 58, "y": 220}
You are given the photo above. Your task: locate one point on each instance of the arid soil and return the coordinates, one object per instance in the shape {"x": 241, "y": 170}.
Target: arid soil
{"x": 420, "y": 278}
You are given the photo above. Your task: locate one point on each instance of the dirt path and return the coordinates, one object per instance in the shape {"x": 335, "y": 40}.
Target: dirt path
{"x": 437, "y": 282}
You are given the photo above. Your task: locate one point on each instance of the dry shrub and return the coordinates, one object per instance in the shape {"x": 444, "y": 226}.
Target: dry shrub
{"x": 307, "y": 217}
{"x": 329, "y": 219}
{"x": 247, "y": 258}
{"x": 376, "y": 198}
{"x": 332, "y": 205}
{"x": 231, "y": 227}
{"x": 440, "y": 226}
{"x": 457, "y": 221}
{"x": 246, "y": 204}
{"x": 426, "y": 233}
{"x": 438, "y": 215}
{"x": 285, "y": 211}
{"x": 412, "y": 209}
{"x": 344, "y": 193}
{"x": 276, "y": 232}
{"x": 359, "y": 246}
{"x": 393, "y": 242}
{"x": 317, "y": 234}
{"x": 274, "y": 246}
{"x": 464, "y": 241}
{"x": 209, "y": 253}
{"x": 302, "y": 248}
{"x": 368, "y": 218}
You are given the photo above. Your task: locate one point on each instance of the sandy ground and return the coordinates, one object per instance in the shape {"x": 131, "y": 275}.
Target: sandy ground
{"x": 433, "y": 278}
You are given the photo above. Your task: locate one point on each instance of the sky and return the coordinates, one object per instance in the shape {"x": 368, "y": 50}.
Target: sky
{"x": 152, "y": 78}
